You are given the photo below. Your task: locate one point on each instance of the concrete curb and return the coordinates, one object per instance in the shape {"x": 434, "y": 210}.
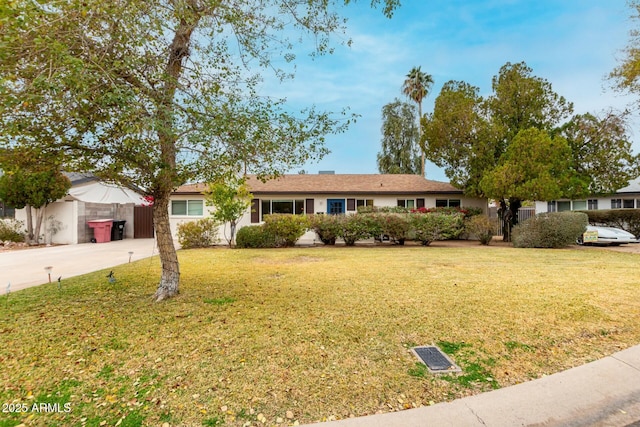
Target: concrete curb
{"x": 601, "y": 393}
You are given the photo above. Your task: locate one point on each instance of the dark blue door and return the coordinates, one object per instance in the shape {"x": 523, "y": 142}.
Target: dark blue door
{"x": 335, "y": 206}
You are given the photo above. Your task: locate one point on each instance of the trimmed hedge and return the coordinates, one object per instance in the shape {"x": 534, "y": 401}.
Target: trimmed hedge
{"x": 626, "y": 219}
{"x": 397, "y": 226}
{"x": 198, "y": 234}
{"x": 287, "y": 229}
{"x": 326, "y": 227}
{"x": 432, "y": 227}
{"x": 255, "y": 236}
{"x": 550, "y": 230}
{"x": 354, "y": 227}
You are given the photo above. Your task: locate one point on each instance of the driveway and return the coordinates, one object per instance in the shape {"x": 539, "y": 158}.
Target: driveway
{"x": 26, "y": 267}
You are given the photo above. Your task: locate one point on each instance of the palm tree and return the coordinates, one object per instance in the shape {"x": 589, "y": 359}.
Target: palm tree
{"x": 416, "y": 86}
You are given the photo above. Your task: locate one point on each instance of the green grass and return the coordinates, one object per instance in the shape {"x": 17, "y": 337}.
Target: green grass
{"x": 308, "y": 334}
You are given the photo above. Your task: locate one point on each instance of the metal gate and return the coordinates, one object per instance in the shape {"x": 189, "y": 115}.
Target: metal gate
{"x": 143, "y": 222}
{"x": 523, "y": 213}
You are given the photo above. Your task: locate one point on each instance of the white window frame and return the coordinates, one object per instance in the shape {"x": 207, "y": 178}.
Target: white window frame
{"x": 186, "y": 205}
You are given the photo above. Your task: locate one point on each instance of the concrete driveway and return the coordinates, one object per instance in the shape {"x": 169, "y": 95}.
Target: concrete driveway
{"x": 24, "y": 268}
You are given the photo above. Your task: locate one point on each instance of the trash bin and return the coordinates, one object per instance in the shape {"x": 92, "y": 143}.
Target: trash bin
{"x": 101, "y": 229}
{"x": 117, "y": 231}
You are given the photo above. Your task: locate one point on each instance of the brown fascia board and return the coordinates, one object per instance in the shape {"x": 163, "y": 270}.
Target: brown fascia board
{"x": 344, "y": 193}
{"x": 355, "y": 193}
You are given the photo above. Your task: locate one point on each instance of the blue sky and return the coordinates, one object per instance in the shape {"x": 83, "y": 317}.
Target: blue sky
{"x": 573, "y": 44}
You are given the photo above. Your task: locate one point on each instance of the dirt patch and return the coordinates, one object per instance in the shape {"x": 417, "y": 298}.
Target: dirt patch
{"x": 25, "y": 246}
{"x": 295, "y": 260}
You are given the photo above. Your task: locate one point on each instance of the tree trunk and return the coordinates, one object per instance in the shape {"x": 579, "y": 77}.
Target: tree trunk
{"x": 167, "y": 178}
{"x": 422, "y": 171}
{"x": 170, "y": 278}
{"x": 232, "y": 225}
{"x": 29, "y": 214}
{"x": 509, "y": 214}
{"x": 39, "y": 218}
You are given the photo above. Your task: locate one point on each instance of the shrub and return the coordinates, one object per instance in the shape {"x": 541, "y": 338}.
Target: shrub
{"x": 434, "y": 226}
{"x": 255, "y": 236}
{"x": 286, "y": 228}
{"x": 11, "y": 230}
{"x": 198, "y": 234}
{"x": 326, "y": 227}
{"x": 468, "y": 212}
{"x": 550, "y": 230}
{"x": 383, "y": 209}
{"x": 480, "y": 227}
{"x": 396, "y": 226}
{"x": 354, "y": 228}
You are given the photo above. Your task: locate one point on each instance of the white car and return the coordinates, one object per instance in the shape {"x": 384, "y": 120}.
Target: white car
{"x": 596, "y": 235}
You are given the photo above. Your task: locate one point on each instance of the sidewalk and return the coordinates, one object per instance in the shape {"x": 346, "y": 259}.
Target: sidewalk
{"x": 25, "y": 267}
{"x": 602, "y": 393}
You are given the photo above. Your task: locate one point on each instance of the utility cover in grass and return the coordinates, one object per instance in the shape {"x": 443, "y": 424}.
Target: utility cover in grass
{"x": 437, "y": 362}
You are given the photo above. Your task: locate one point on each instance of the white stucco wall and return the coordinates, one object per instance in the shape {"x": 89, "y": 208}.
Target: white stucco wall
{"x": 603, "y": 202}
{"x": 66, "y": 213}
{"x": 320, "y": 206}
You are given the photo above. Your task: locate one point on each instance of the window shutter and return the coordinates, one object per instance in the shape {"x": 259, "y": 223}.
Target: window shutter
{"x": 255, "y": 211}
{"x": 351, "y": 204}
{"x": 309, "y": 206}
{"x": 419, "y": 203}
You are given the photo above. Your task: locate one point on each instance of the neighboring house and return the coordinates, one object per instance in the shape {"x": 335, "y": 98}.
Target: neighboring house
{"x": 625, "y": 198}
{"x": 87, "y": 199}
{"x": 324, "y": 194}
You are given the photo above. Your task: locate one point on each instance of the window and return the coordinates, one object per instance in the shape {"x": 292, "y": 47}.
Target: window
{"x": 282, "y": 207}
{"x": 364, "y": 202}
{"x": 592, "y": 204}
{"x": 7, "y": 211}
{"x": 187, "y": 207}
{"x": 564, "y": 206}
{"x": 616, "y": 203}
{"x": 628, "y": 203}
{"x": 447, "y": 203}
{"x": 407, "y": 203}
{"x": 551, "y": 206}
{"x": 579, "y": 205}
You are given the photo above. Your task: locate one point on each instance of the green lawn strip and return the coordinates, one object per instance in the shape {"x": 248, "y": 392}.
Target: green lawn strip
{"x": 308, "y": 334}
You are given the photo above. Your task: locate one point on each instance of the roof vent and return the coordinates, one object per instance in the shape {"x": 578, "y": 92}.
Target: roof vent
{"x": 326, "y": 172}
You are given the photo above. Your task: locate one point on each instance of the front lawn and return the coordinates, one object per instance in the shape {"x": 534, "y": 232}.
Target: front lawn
{"x": 276, "y": 337}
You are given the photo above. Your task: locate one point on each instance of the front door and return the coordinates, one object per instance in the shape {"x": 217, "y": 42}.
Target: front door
{"x": 335, "y": 206}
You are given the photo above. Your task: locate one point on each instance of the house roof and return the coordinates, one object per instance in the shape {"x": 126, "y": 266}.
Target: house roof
{"x": 633, "y": 187}
{"x": 78, "y": 178}
{"x": 339, "y": 184}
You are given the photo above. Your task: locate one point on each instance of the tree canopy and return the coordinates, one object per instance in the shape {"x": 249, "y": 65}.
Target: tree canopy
{"x": 626, "y": 76}
{"x": 157, "y": 93}
{"x": 522, "y": 143}
{"x": 230, "y": 198}
{"x": 31, "y": 180}
{"x": 399, "y": 152}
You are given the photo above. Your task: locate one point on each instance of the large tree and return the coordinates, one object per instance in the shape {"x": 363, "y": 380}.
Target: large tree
{"x": 155, "y": 93}
{"x": 626, "y": 76}
{"x": 31, "y": 180}
{"x": 399, "y": 152}
{"x": 505, "y": 147}
{"x": 601, "y": 150}
{"x": 416, "y": 87}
